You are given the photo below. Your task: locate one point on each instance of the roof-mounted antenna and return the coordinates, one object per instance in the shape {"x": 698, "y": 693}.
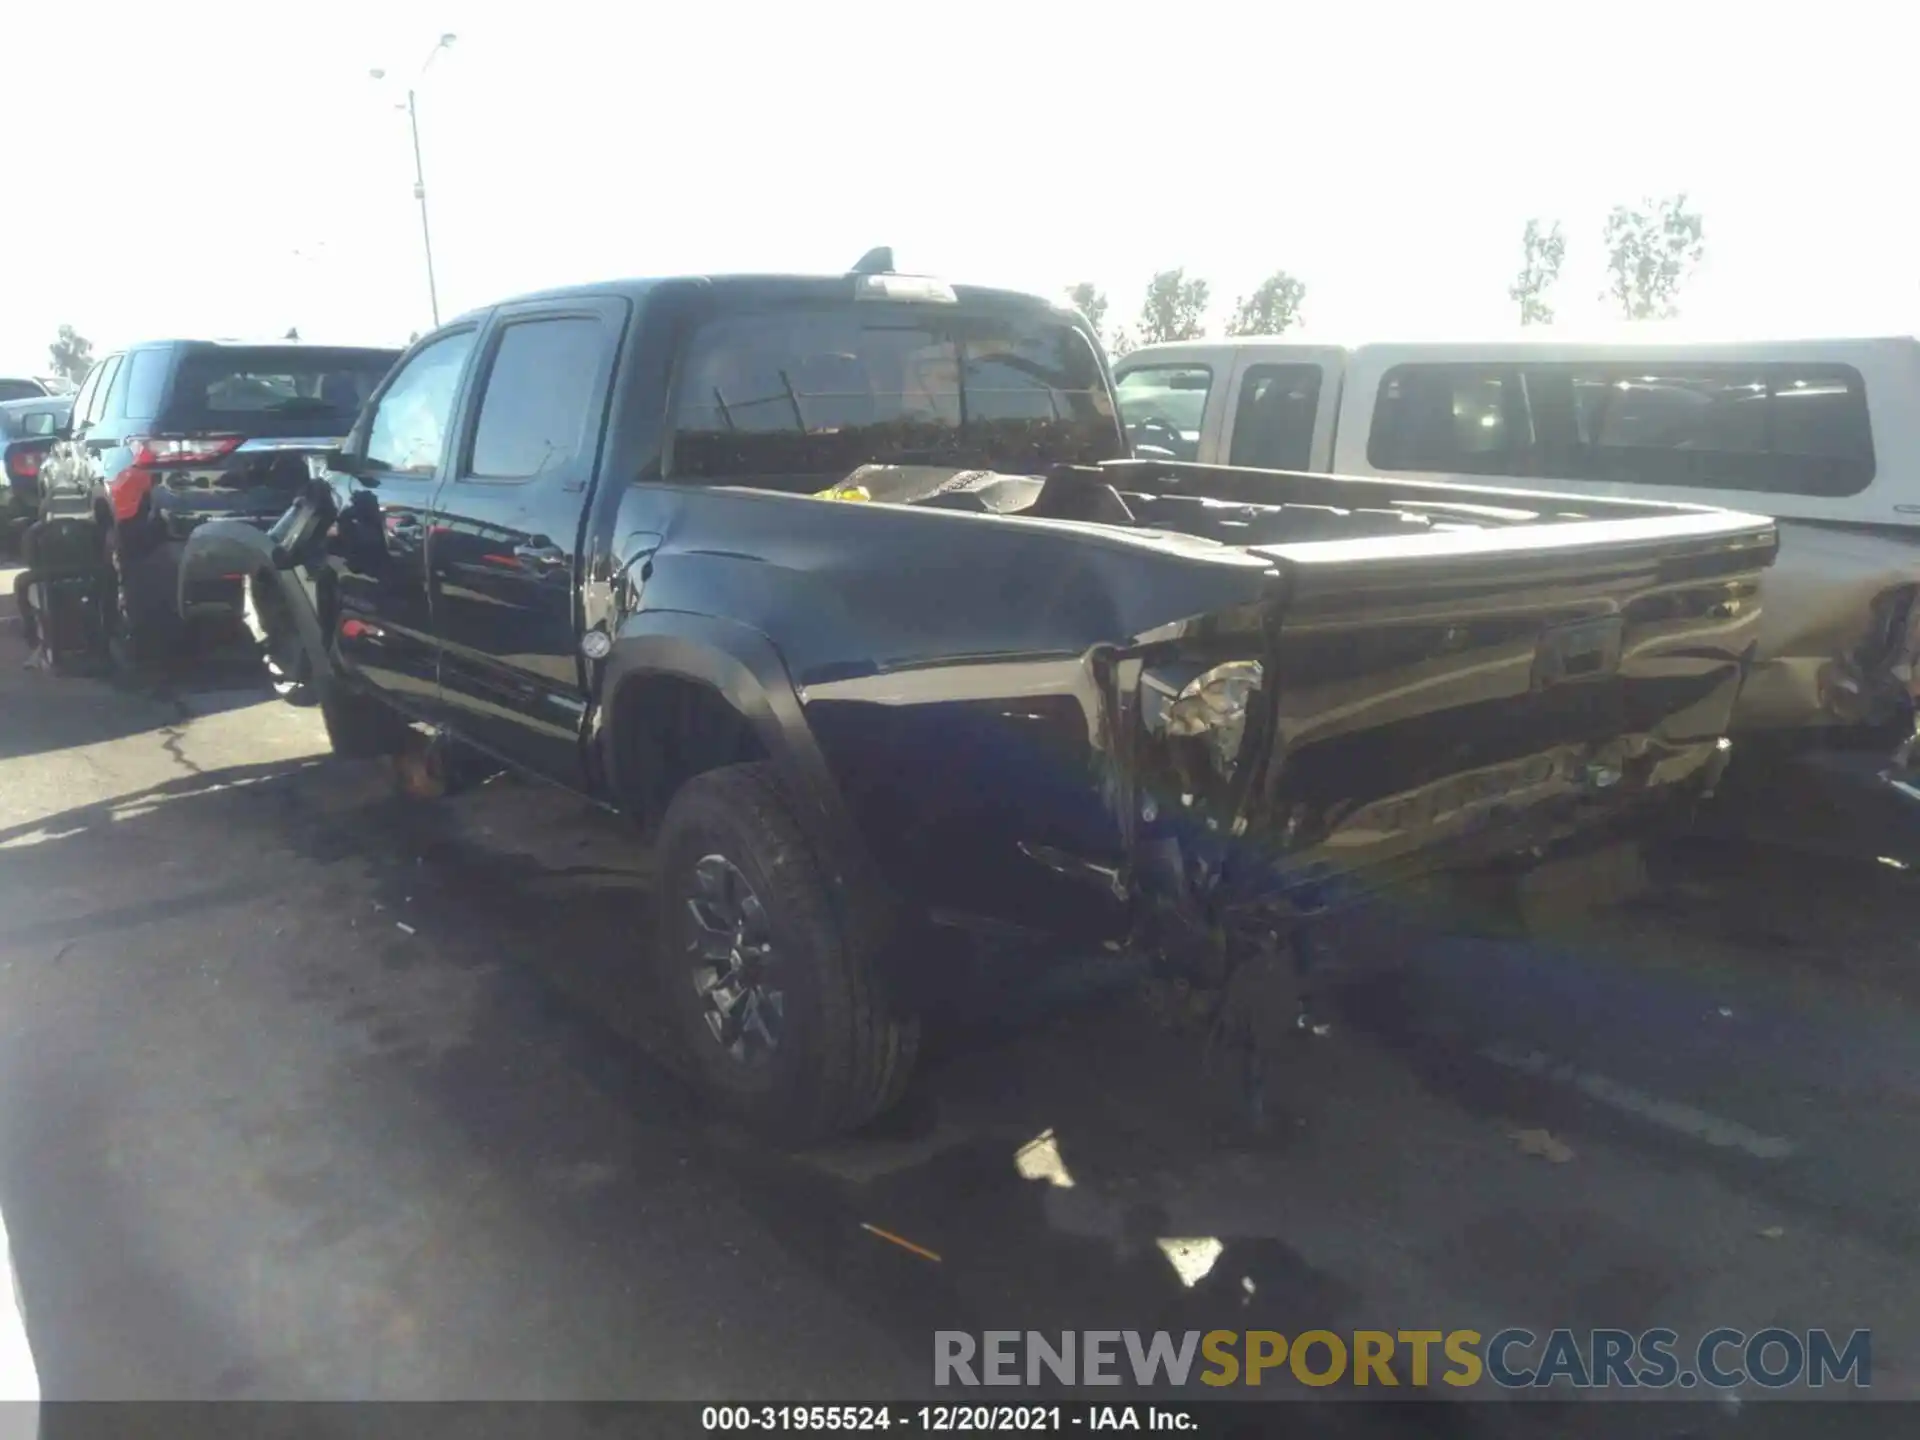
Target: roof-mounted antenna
{"x": 877, "y": 261}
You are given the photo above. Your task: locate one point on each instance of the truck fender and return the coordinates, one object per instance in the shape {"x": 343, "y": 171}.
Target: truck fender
{"x": 234, "y": 547}
{"x": 746, "y": 670}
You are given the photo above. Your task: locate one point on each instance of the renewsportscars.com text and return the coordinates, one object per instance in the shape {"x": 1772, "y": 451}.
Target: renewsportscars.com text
{"x": 1720, "y": 1359}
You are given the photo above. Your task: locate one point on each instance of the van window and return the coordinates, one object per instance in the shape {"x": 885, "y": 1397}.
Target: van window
{"x": 1163, "y": 406}
{"x": 1273, "y": 424}
{"x": 783, "y": 398}
{"x": 1763, "y": 427}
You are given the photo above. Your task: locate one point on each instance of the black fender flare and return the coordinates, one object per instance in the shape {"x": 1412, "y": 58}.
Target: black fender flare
{"x": 234, "y": 547}
{"x": 745, "y": 668}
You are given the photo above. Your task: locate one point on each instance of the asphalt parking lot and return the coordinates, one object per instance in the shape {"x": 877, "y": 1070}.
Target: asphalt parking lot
{"x": 307, "y": 1090}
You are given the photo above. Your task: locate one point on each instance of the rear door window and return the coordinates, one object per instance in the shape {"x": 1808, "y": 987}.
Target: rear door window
{"x": 83, "y": 397}
{"x": 109, "y": 369}
{"x": 784, "y": 397}
{"x": 146, "y": 374}
{"x": 539, "y": 391}
{"x": 1274, "y": 421}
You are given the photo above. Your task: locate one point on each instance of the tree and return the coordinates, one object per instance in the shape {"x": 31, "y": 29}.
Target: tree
{"x": 1272, "y": 309}
{"x": 1651, "y": 252}
{"x": 1541, "y": 252}
{"x": 293, "y": 333}
{"x": 71, "y": 355}
{"x": 1175, "y": 308}
{"x": 1087, "y": 298}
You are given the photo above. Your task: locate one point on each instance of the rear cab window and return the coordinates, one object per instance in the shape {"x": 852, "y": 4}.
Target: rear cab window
{"x": 20, "y": 390}
{"x": 1766, "y": 427}
{"x": 1164, "y": 407}
{"x": 253, "y": 387}
{"x": 782, "y": 397}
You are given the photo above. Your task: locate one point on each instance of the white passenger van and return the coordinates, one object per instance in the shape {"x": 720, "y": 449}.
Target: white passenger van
{"x": 1824, "y": 435}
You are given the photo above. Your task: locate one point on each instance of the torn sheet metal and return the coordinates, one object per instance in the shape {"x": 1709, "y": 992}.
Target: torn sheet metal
{"x": 1838, "y": 631}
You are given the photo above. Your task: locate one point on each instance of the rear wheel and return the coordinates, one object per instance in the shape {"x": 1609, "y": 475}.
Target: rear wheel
{"x": 143, "y": 628}
{"x": 771, "y": 970}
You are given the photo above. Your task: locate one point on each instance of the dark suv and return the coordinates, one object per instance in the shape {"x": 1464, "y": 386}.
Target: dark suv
{"x": 168, "y": 434}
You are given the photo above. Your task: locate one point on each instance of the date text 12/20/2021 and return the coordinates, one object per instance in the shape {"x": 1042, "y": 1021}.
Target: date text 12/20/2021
{"x": 940, "y": 1419}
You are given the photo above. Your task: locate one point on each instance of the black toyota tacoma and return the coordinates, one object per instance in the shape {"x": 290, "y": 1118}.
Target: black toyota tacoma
{"x": 847, "y": 590}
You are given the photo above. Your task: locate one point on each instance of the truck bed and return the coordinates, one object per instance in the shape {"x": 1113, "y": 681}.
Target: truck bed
{"x": 1446, "y": 673}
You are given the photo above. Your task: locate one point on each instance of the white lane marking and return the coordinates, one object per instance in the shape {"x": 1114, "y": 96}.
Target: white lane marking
{"x": 1672, "y": 1115}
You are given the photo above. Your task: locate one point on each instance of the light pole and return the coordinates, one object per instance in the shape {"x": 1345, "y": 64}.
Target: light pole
{"x": 419, "y": 173}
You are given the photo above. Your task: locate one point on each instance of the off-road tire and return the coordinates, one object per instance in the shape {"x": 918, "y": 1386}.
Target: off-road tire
{"x": 360, "y": 727}
{"x": 277, "y": 642}
{"x": 847, "y": 1049}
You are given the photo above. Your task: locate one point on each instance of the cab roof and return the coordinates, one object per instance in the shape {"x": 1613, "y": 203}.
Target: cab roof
{"x": 768, "y": 288}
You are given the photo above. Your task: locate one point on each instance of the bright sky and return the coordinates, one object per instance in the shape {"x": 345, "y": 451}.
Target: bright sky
{"x": 231, "y": 169}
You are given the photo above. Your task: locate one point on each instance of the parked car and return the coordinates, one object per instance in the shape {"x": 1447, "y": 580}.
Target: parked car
{"x": 166, "y": 435}
{"x": 844, "y": 588}
{"x": 35, "y": 423}
{"x": 20, "y": 387}
{"x": 1823, "y": 435}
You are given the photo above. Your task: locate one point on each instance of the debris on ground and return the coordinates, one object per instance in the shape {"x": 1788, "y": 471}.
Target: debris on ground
{"x": 903, "y": 1243}
{"x": 1772, "y": 1232}
{"x": 1543, "y": 1144}
{"x": 402, "y": 925}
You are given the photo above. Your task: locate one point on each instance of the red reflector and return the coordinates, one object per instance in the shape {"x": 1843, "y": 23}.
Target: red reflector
{"x": 352, "y": 629}
{"x": 129, "y": 488}
{"x": 24, "y": 464}
{"x": 166, "y": 451}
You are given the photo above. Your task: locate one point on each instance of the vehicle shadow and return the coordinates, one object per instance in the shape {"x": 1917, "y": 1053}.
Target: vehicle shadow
{"x": 1065, "y": 1161}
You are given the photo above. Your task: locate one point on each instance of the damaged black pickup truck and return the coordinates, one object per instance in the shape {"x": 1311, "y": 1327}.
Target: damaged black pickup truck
{"x": 846, "y": 589}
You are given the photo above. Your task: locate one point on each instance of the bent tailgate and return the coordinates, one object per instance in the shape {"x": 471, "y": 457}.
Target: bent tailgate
{"x": 1438, "y": 684}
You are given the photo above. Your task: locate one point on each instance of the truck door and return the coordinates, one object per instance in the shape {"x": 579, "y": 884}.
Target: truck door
{"x": 504, "y": 535}
{"x": 384, "y": 629}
